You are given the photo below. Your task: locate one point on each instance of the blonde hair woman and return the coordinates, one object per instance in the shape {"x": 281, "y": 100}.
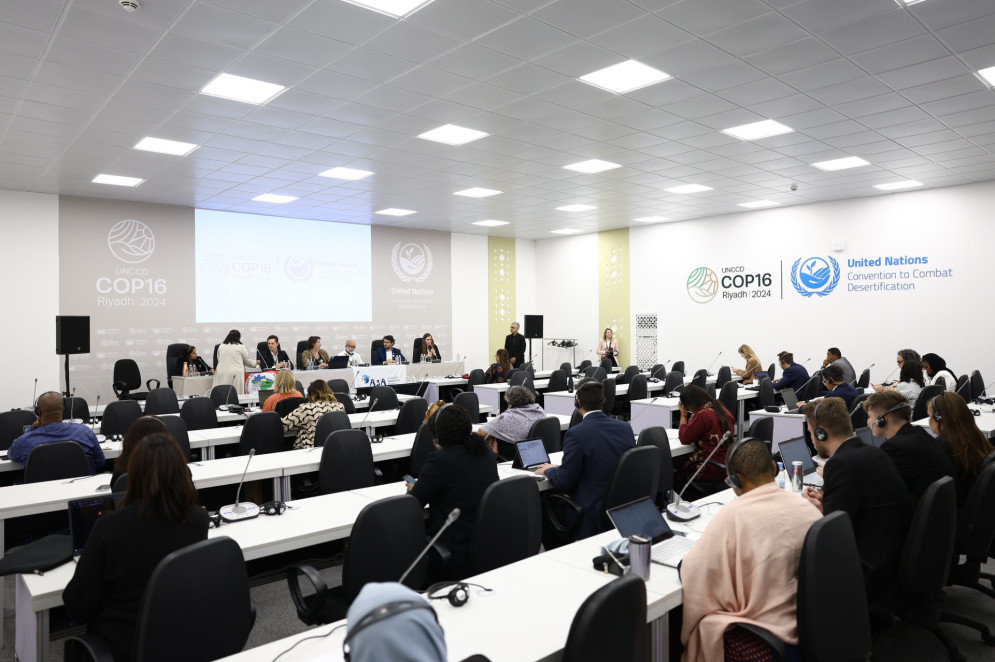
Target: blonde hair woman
{"x": 752, "y": 364}
{"x": 285, "y": 386}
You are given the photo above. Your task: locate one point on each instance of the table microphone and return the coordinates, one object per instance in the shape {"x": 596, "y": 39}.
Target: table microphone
{"x": 685, "y": 511}
{"x": 240, "y": 511}
{"x": 34, "y": 393}
{"x": 72, "y": 404}
{"x": 368, "y": 412}
{"x": 453, "y": 516}
{"x": 96, "y": 409}
{"x": 424, "y": 383}
{"x": 458, "y": 373}
{"x": 709, "y": 368}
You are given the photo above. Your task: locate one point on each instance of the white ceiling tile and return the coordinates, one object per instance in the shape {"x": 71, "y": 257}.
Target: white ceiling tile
{"x": 853, "y": 90}
{"x": 412, "y": 42}
{"x": 960, "y": 103}
{"x": 466, "y": 19}
{"x": 704, "y": 16}
{"x": 882, "y": 29}
{"x": 172, "y": 74}
{"x": 688, "y": 56}
{"x": 371, "y": 65}
{"x": 926, "y": 72}
{"x": 475, "y": 62}
{"x": 584, "y": 18}
{"x": 756, "y": 35}
{"x": 278, "y": 12}
{"x": 526, "y": 38}
{"x": 341, "y": 21}
{"x": 640, "y": 37}
{"x": 723, "y": 76}
{"x": 91, "y": 27}
{"x": 939, "y": 15}
{"x": 210, "y": 23}
{"x": 799, "y": 54}
{"x": 18, "y": 39}
{"x": 37, "y": 15}
{"x": 579, "y": 59}
{"x": 901, "y": 54}
{"x": 967, "y": 36}
{"x": 819, "y": 16}
{"x": 270, "y": 69}
{"x": 64, "y": 76}
{"x": 302, "y": 46}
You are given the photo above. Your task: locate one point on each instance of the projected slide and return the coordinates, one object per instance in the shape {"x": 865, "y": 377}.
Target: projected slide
{"x": 252, "y": 268}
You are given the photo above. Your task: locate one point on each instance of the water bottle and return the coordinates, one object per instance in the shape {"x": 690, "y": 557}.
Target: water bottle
{"x": 780, "y": 475}
{"x": 186, "y": 369}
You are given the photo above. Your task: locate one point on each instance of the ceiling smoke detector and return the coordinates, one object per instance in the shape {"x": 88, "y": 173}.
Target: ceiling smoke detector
{"x": 129, "y": 5}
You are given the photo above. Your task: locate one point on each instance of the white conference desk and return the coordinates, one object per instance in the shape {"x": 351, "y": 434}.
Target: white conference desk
{"x": 660, "y": 411}
{"x": 245, "y": 399}
{"x": 985, "y": 422}
{"x": 562, "y": 402}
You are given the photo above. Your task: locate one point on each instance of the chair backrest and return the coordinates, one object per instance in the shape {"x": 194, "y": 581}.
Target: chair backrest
{"x": 12, "y": 425}
{"x": 723, "y": 376}
{"x": 508, "y": 527}
{"x": 121, "y": 484}
{"x": 767, "y": 398}
{"x": 599, "y": 374}
{"x": 629, "y": 373}
{"x": 264, "y": 432}
{"x": 75, "y": 407}
{"x": 299, "y": 387}
{"x": 422, "y": 447}
{"x": 287, "y": 405}
{"x": 864, "y": 380}
{"x": 658, "y": 371}
{"x": 338, "y": 386}
{"x": 584, "y": 365}
{"x": 330, "y": 422}
{"x": 812, "y": 388}
{"x": 929, "y": 543}
{"x": 557, "y": 381}
{"x": 411, "y": 416}
{"x": 925, "y": 397}
{"x": 636, "y": 475}
{"x": 606, "y": 365}
{"x": 674, "y": 379}
{"x": 416, "y": 349}
{"x": 162, "y": 401}
{"x": 197, "y": 606}
{"x": 831, "y": 594}
{"x": 858, "y": 418}
{"x": 547, "y": 429}
{"x": 224, "y": 394}
{"x": 566, "y": 367}
{"x": 118, "y": 415}
{"x": 977, "y": 385}
{"x": 301, "y": 346}
{"x": 346, "y": 400}
{"x": 964, "y": 388}
{"x": 710, "y": 389}
{"x": 518, "y": 378}
{"x": 976, "y": 522}
{"x": 56, "y": 460}
{"x": 262, "y": 348}
{"x": 657, "y": 436}
{"x": 199, "y": 414}
{"x": 727, "y": 396}
{"x": 610, "y": 624}
{"x": 762, "y": 428}
{"x": 699, "y": 379}
{"x": 608, "y": 385}
{"x": 475, "y": 377}
{"x": 127, "y": 373}
{"x": 770, "y": 371}
{"x": 471, "y": 403}
{"x": 374, "y": 346}
{"x": 678, "y": 367}
{"x": 346, "y": 463}
{"x": 387, "y": 537}
{"x": 174, "y": 359}
{"x": 576, "y": 418}
{"x": 178, "y": 429}
{"x": 216, "y": 354}
{"x": 385, "y": 396}
{"x": 638, "y": 387}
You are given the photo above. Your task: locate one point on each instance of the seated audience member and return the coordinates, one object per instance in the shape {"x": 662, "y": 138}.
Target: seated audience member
{"x": 590, "y": 452}
{"x": 304, "y": 419}
{"x": 388, "y": 354}
{"x": 350, "y": 351}
{"x": 907, "y": 355}
{"x": 158, "y": 516}
{"x": 835, "y": 357}
{"x": 861, "y": 481}
{"x": 411, "y": 635}
{"x": 192, "y": 364}
{"x": 314, "y": 353}
{"x": 732, "y": 575}
{"x": 952, "y": 422}
{"x": 455, "y": 477}
{"x": 836, "y": 387}
{"x": 704, "y": 421}
{"x": 514, "y": 423}
{"x": 499, "y": 370}
{"x": 752, "y": 368}
{"x": 936, "y": 369}
{"x": 919, "y": 458}
{"x": 285, "y": 386}
{"x": 274, "y": 357}
{"x": 429, "y": 350}
{"x": 910, "y": 381}
{"x": 50, "y": 427}
{"x": 137, "y": 431}
{"x": 793, "y": 375}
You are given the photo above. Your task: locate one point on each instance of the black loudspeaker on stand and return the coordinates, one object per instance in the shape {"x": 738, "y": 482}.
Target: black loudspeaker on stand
{"x": 72, "y": 336}
{"x": 533, "y": 329}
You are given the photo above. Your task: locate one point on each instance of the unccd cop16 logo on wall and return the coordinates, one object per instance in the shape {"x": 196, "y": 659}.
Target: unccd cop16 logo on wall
{"x": 736, "y": 282}
{"x": 132, "y": 242}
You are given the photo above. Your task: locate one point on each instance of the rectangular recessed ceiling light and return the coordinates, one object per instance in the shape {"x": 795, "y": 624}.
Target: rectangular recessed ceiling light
{"x": 576, "y": 208}
{"x": 391, "y": 211}
{"x": 651, "y": 219}
{"x": 274, "y": 197}
{"x": 477, "y": 192}
{"x": 898, "y": 186}
{"x": 395, "y": 8}
{"x": 350, "y": 174}
{"x": 451, "y": 134}
{"x": 490, "y": 223}
{"x": 162, "y": 146}
{"x": 625, "y": 77}
{"x": 987, "y": 75}
{"x": 238, "y": 88}
{"x": 117, "y": 180}
{"x": 905, "y": 3}
{"x": 689, "y": 188}
{"x": 592, "y": 166}
{"x": 841, "y": 164}
{"x": 759, "y": 204}
{"x": 758, "y": 130}
{"x": 565, "y": 231}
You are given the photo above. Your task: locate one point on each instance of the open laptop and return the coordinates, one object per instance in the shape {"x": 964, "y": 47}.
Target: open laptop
{"x": 529, "y": 454}
{"x": 642, "y": 518}
{"x": 84, "y": 513}
{"x": 264, "y": 395}
{"x": 796, "y": 450}
{"x": 338, "y": 362}
{"x": 790, "y": 400}
{"x": 868, "y": 437}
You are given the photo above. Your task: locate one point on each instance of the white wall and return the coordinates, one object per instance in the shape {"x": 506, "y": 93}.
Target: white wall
{"x": 566, "y": 291}
{"x": 470, "y": 328}
{"x": 29, "y": 300}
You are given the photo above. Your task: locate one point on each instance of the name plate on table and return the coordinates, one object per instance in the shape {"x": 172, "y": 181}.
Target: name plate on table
{"x": 260, "y": 381}
{"x": 379, "y": 375}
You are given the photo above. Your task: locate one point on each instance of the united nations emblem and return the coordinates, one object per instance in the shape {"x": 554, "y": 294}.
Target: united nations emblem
{"x": 411, "y": 262}
{"x": 815, "y": 275}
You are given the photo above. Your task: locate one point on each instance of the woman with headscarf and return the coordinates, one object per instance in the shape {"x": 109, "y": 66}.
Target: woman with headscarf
{"x": 410, "y": 634}
{"x": 936, "y": 368}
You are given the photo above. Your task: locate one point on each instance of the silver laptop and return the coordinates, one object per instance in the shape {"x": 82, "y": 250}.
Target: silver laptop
{"x": 642, "y": 518}
{"x": 796, "y": 450}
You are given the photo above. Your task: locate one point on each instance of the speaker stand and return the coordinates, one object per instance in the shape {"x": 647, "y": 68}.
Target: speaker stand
{"x": 69, "y": 390}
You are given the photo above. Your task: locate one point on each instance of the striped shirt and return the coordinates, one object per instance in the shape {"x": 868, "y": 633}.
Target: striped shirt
{"x": 304, "y": 420}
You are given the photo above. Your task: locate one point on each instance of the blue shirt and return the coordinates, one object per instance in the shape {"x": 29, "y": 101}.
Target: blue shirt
{"x": 60, "y": 431}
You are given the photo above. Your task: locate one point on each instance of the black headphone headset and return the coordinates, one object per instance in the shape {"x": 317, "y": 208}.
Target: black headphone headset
{"x": 734, "y": 480}
{"x": 458, "y": 595}
{"x": 937, "y": 416}
{"x": 37, "y": 412}
{"x": 882, "y": 420}
{"x": 586, "y": 385}
{"x": 819, "y": 432}
{"x": 435, "y": 419}
{"x": 381, "y": 613}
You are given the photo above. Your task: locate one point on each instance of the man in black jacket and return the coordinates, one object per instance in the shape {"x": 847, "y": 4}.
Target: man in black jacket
{"x": 274, "y": 357}
{"x": 514, "y": 342}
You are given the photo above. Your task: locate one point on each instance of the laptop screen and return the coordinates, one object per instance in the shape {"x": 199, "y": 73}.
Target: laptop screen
{"x": 640, "y": 518}
{"x": 796, "y": 450}
{"x": 532, "y": 452}
{"x": 790, "y": 399}
{"x": 264, "y": 396}
{"x": 868, "y": 437}
{"x": 84, "y": 513}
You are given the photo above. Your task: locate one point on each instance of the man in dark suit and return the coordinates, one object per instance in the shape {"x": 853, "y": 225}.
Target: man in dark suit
{"x": 861, "y": 481}
{"x": 590, "y": 452}
{"x": 388, "y": 354}
{"x": 793, "y": 376}
{"x": 919, "y": 458}
{"x": 273, "y": 357}
{"x": 514, "y": 342}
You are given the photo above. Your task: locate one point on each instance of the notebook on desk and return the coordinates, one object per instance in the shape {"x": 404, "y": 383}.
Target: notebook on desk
{"x": 796, "y": 450}
{"x": 642, "y": 518}
{"x": 84, "y": 513}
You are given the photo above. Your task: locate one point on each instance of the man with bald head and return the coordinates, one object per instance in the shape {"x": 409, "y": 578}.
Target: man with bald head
{"x": 50, "y": 427}
{"x": 350, "y": 351}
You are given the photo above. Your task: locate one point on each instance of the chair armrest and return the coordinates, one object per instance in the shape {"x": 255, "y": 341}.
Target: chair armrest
{"x": 148, "y": 383}
{"x": 778, "y": 647}
{"x": 377, "y": 476}
{"x": 87, "y": 648}
{"x": 554, "y": 504}
{"x": 120, "y": 389}
{"x": 305, "y": 610}
{"x": 440, "y": 558}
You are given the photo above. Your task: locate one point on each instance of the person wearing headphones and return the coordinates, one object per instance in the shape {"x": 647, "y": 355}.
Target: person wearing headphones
{"x": 591, "y": 450}
{"x": 50, "y": 409}
{"x": 861, "y": 481}
{"x": 835, "y": 386}
{"x": 704, "y": 421}
{"x": 793, "y": 375}
{"x": 389, "y": 621}
{"x": 732, "y": 575}
{"x": 920, "y": 460}
{"x": 952, "y": 422}
{"x": 456, "y": 476}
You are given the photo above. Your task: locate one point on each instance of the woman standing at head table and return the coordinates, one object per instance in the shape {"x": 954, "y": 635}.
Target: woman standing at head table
{"x": 429, "y": 350}
{"x": 752, "y": 364}
{"x": 233, "y": 358}
{"x": 608, "y": 346}
{"x": 193, "y": 364}
{"x": 315, "y": 353}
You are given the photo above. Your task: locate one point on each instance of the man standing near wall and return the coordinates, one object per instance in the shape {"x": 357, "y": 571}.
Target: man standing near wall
{"x": 514, "y": 342}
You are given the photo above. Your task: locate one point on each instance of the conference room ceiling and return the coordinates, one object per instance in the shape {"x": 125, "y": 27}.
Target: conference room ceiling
{"x": 81, "y": 82}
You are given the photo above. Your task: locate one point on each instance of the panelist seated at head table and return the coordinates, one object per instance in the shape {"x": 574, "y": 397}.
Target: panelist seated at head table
{"x": 193, "y": 365}
{"x": 314, "y": 355}
{"x": 274, "y": 356}
{"x": 388, "y": 354}
{"x": 429, "y": 350}
{"x": 350, "y": 350}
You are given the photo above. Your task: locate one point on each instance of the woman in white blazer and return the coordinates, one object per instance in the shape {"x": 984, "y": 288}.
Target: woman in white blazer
{"x": 233, "y": 358}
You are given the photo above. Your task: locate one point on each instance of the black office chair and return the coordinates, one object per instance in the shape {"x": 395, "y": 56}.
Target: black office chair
{"x": 770, "y": 371}
{"x": 301, "y": 346}
{"x": 121, "y": 484}
{"x": 675, "y": 380}
{"x": 812, "y": 388}
{"x": 678, "y": 367}
{"x": 762, "y": 428}
{"x": 300, "y": 387}
{"x": 864, "y": 381}
{"x": 576, "y": 418}
{"x": 422, "y": 447}
{"x": 174, "y": 361}
{"x": 598, "y": 373}
{"x": 374, "y": 346}
{"x": 766, "y": 391}
{"x": 471, "y": 403}
{"x": 657, "y": 436}
{"x": 387, "y": 537}
{"x": 416, "y": 350}
{"x": 287, "y": 405}
{"x": 178, "y": 430}
{"x": 723, "y": 376}
{"x": 385, "y": 396}
{"x": 338, "y": 386}
{"x": 508, "y": 527}
{"x": 926, "y": 396}
{"x": 606, "y": 365}
{"x": 700, "y": 378}
{"x": 12, "y": 425}
{"x": 127, "y": 377}
{"x": 710, "y": 389}
{"x": 558, "y": 381}
{"x": 658, "y": 371}
{"x": 638, "y": 390}
{"x": 75, "y": 407}
{"x": 584, "y": 365}
{"x": 264, "y": 432}
{"x": 728, "y": 396}
{"x": 346, "y": 462}
{"x": 547, "y": 429}
{"x": 118, "y": 416}
{"x": 518, "y": 378}
{"x": 346, "y": 400}
{"x": 964, "y": 388}
{"x": 197, "y": 608}
{"x": 56, "y": 460}
{"x": 199, "y": 414}
{"x": 161, "y": 401}
{"x": 567, "y": 368}
{"x": 977, "y": 385}
{"x": 610, "y": 624}
{"x": 411, "y": 416}
{"x": 216, "y": 354}
{"x": 330, "y": 422}
{"x": 475, "y": 377}
{"x": 224, "y": 394}
{"x": 630, "y": 372}
{"x": 608, "y": 385}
